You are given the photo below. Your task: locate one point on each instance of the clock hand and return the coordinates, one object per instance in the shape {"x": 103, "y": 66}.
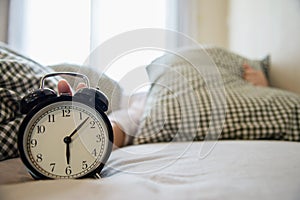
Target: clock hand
{"x": 68, "y": 152}
{"x": 68, "y": 139}
{"x": 77, "y": 128}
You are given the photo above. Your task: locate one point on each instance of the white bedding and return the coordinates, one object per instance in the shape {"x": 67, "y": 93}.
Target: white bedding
{"x": 232, "y": 170}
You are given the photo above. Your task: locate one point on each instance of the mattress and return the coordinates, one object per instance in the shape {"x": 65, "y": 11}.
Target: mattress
{"x": 225, "y": 170}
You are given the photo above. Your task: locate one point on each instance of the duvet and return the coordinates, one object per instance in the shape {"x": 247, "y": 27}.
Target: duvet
{"x": 231, "y": 170}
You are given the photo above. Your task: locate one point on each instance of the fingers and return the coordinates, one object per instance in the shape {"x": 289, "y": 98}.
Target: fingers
{"x": 248, "y": 71}
{"x": 64, "y": 87}
{"x": 247, "y": 66}
{"x": 253, "y": 76}
{"x": 80, "y": 85}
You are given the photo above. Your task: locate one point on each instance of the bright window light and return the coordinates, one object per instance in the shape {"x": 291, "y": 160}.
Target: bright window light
{"x": 113, "y": 17}
{"x": 66, "y": 31}
{"x": 57, "y": 31}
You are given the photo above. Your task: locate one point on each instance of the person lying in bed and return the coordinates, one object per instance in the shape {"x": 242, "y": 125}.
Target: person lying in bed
{"x": 253, "y": 76}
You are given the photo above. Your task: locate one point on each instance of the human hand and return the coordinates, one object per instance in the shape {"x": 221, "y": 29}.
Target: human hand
{"x": 119, "y": 136}
{"x": 256, "y": 77}
{"x": 64, "y": 87}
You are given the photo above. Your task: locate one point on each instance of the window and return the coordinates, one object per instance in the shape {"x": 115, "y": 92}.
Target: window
{"x": 113, "y": 17}
{"x": 57, "y": 31}
{"x": 52, "y": 31}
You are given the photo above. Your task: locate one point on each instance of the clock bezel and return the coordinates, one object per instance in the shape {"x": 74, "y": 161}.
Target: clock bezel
{"x": 22, "y": 144}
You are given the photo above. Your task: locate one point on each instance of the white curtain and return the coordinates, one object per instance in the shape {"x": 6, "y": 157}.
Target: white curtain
{"x": 53, "y": 31}
{"x": 50, "y": 31}
{"x": 16, "y": 24}
{"x": 186, "y": 20}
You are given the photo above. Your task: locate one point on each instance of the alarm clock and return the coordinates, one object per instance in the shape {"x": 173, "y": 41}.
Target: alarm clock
{"x": 64, "y": 136}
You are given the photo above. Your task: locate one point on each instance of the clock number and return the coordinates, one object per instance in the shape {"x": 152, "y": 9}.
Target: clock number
{"x": 68, "y": 170}
{"x": 94, "y": 152}
{"x": 39, "y": 158}
{"x": 80, "y": 115}
{"x": 33, "y": 143}
{"x": 50, "y": 118}
{"x": 92, "y": 123}
{"x": 84, "y": 164}
{"x": 52, "y": 165}
{"x": 98, "y": 138}
{"x": 41, "y": 129}
{"x": 66, "y": 113}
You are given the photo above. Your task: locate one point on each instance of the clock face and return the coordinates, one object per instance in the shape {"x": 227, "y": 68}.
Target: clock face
{"x": 66, "y": 139}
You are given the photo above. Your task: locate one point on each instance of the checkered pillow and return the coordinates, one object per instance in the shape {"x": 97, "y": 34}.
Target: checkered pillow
{"x": 179, "y": 105}
{"x": 19, "y": 75}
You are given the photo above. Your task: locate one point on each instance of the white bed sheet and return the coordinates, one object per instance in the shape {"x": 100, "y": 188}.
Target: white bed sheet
{"x": 232, "y": 170}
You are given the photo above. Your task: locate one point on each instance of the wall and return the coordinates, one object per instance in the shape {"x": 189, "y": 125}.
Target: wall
{"x": 261, "y": 27}
{"x": 203, "y": 20}
{"x": 4, "y": 4}
{"x": 212, "y": 22}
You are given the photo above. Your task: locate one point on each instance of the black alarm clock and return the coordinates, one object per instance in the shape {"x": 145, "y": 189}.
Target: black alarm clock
{"x": 64, "y": 136}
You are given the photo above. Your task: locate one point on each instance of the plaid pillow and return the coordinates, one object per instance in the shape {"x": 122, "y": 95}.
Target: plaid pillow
{"x": 179, "y": 104}
{"x": 19, "y": 75}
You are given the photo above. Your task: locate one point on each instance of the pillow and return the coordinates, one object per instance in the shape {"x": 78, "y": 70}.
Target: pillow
{"x": 265, "y": 65}
{"x": 19, "y": 75}
{"x": 221, "y": 57}
{"x": 181, "y": 109}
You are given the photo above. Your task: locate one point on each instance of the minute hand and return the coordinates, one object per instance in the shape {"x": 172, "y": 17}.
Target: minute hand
{"x": 78, "y": 127}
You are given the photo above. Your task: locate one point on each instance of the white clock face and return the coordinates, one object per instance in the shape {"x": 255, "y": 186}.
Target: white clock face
{"x": 66, "y": 140}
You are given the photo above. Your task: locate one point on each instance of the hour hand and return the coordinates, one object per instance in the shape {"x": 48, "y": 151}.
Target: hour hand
{"x": 67, "y": 140}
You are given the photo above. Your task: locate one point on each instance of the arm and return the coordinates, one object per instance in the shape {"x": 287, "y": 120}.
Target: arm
{"x": 119, "y": 135}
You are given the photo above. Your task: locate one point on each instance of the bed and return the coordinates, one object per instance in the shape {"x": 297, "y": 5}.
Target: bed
{"x": 233, "y": 170}
{"x": 251, "y": 153}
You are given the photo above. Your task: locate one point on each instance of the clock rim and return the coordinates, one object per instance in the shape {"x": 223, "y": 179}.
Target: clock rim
{"x": 35, "y": 173}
